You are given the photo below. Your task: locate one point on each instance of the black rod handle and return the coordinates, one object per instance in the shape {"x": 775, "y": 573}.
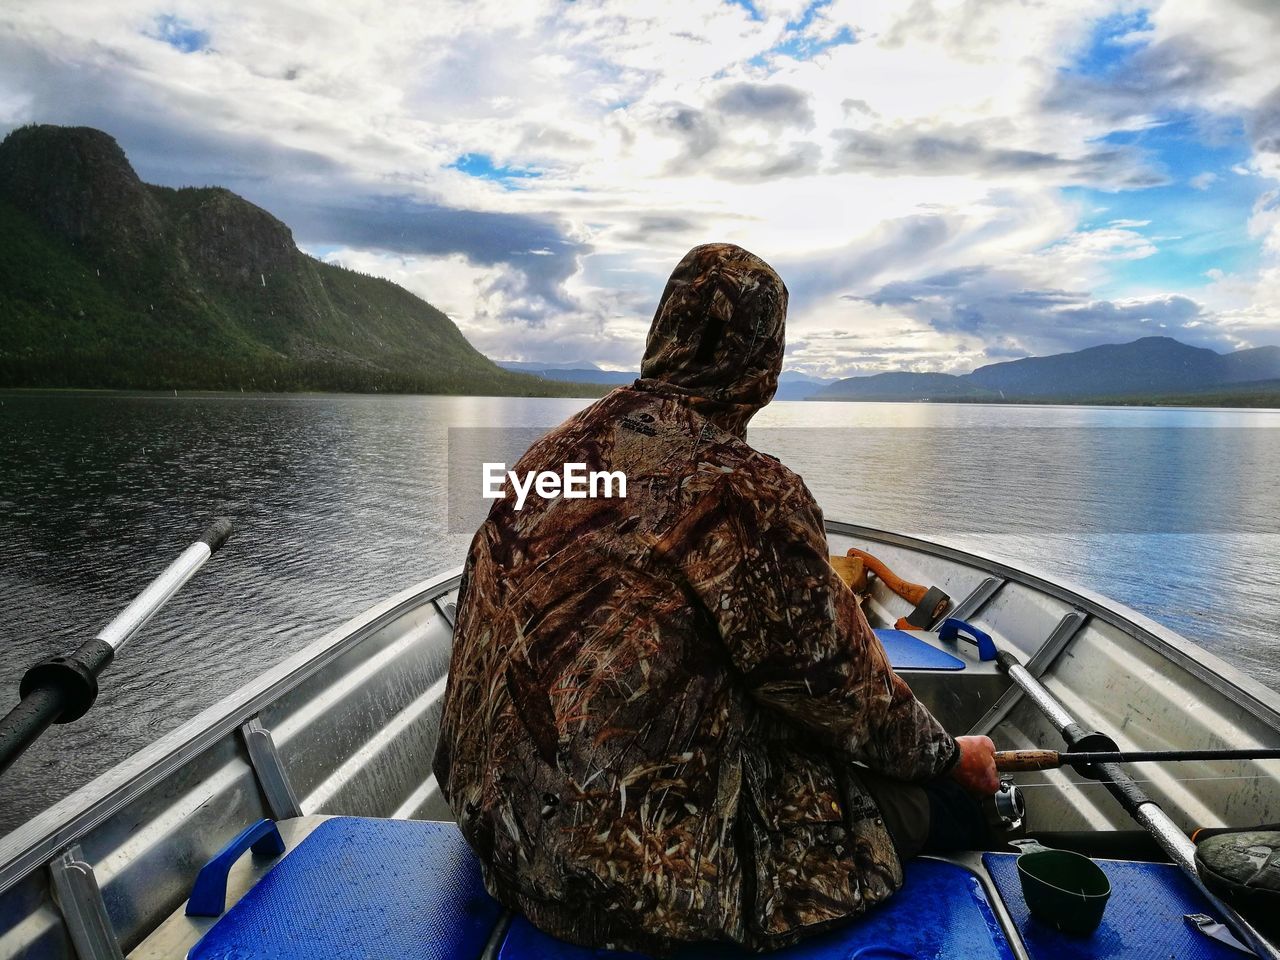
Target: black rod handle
{"x": 20, "y": 727}
{"x": 216, "y": 534}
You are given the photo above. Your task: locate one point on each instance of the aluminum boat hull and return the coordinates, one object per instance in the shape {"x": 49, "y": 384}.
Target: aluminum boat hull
{"x": 349, "y": 724}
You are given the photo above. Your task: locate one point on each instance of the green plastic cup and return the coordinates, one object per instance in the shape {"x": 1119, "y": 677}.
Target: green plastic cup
{"x": 1066, "y": 890}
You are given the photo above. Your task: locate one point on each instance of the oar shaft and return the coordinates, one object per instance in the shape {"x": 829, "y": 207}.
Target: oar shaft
{"x": 145, "y": 605}
{"x": 62, "y": 689}
{"x": 1022, "y": 760}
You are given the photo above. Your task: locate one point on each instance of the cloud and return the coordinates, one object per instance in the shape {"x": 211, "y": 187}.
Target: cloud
{"x": 1170, "y": 72}
{"x": 995, "y": 308}
{"x": 540, "y": 255}
{"x": 1009, "y": 149}
{"x": 943, "y": 151}
{"x": 737, "y": 136}
{"x": 1264, "y": 124}
{"x": 774, "y": 104}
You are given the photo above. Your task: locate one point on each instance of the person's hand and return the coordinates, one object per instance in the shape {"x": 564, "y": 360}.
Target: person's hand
{"x": 976, "y": 768}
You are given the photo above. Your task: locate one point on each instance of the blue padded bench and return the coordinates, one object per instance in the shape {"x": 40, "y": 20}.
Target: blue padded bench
{"x": 362, "y": 889}
{"x": 941, "y": 912}
{"x": 366, "y": 889}
{"x": 907, "y": 651}
{"x": 1143, "y": 919}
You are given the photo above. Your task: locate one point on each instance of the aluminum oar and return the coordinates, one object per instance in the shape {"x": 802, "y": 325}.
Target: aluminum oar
{"x": 1021, "y": 760}
{"x": 62, "y": 689}
{"x": 1136, "y": 803}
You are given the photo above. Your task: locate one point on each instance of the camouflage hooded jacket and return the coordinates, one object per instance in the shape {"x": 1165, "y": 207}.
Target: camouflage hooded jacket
{"x": 656, "y": 705}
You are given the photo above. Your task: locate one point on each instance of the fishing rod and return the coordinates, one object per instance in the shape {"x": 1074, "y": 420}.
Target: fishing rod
{"x": 1180, "y": 848}
{"x": 1021, "y": 760}
{"x": 62, "y": 689}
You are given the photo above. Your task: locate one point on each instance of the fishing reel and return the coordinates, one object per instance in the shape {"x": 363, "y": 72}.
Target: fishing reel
{"x": 1009, "y": 807}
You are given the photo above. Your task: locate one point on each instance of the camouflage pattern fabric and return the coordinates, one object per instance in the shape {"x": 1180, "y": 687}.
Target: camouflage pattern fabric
{"x": 1243, "y": 867}
{"x": 657, "y": 706}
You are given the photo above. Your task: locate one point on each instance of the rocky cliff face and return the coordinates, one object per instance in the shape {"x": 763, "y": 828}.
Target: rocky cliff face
{"x": 109, "y": 281}
{"x": 228, "y": 240}
{"x": 77, "y": 182}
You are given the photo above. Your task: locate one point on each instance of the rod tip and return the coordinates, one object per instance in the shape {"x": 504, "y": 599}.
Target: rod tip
{"x": 216, "y": 534}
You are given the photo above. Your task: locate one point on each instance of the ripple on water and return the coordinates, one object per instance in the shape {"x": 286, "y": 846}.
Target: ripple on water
{"x": 340, "y": 501}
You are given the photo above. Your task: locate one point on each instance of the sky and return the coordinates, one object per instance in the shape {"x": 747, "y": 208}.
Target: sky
{"x": 940, "y": 183}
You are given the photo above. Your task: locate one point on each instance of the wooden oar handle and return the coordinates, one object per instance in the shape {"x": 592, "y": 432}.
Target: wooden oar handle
{"x": 1013, "y": 760}
{"x": 913, "y": 593}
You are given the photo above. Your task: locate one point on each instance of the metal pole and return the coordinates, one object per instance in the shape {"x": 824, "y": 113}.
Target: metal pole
{"x": 132, "y": 618}
{"x": 62, "y": 689}
{"x": 1172, "y": 840}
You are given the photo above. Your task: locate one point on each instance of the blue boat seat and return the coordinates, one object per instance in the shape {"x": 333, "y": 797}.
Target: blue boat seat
{"x": 362, "y": 888}
{"x": 412, "y": 890}
{"x": 941, "y": 912}
{"x": 1143, "y": 919}
{"x": 907, "y": 651}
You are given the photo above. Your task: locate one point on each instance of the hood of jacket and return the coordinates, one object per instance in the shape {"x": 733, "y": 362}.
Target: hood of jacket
{"x": 718, "y": 334}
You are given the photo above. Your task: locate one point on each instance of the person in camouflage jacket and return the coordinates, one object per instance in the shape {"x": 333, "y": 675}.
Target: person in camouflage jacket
{"x": 662, "y": 709}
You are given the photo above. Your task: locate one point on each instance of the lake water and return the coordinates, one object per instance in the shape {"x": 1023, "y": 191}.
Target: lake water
{"x": 340, "y": 501}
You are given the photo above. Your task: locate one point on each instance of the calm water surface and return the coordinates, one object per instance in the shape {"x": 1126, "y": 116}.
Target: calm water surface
{"x": 340, "y": 501}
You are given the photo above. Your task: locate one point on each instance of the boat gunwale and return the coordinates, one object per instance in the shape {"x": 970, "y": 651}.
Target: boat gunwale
{"x": 32, "y": 844}
{"x": 1204, "y": 665}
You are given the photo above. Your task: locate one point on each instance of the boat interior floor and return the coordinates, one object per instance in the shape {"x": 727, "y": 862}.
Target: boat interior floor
{"x": 352, "y": 887}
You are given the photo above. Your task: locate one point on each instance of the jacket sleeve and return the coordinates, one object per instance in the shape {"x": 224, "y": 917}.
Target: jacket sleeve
{"x": 755, "y": 555}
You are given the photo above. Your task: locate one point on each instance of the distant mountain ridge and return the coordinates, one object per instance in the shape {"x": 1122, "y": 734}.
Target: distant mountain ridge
{"x": 1150, "y": 366}
{"x": 106, "y": 281}
{"x": 792, "y": 385}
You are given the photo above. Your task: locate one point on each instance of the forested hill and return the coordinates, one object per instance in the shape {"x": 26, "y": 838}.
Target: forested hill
{"x": 106, "y": 281}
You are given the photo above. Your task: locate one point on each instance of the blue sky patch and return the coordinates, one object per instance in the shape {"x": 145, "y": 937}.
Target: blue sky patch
{"x": 799, "y": 47}
{"x": 748, "y": 6}
{"x": 794, "y": 43}
{"x": 1107, "y": 47}
{"x": 179, "y": 34}
{"x": 481, "y": 165}
{"x": 1198, "y": 221}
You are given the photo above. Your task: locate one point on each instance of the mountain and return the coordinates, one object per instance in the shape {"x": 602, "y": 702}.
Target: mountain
{"x": 791, "y": 384}
{"x": 581, "y": 371}
{"x": 1149, "y": 367}
{"x": 902, "y": 386}
{"x": 1244, "y": 366}
{"x": 540, "y": 366}
{"x": 106, "y": 281}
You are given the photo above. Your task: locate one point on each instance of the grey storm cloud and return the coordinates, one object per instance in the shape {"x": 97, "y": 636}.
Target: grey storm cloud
{"x": 944, "y": 151}
{"x": 1016, "y": 320}
{"x": 647, "y": 227}
{"x": 707, "y": 135}
{"x": 1154, "y": 77}
{"x": 536, "y": 247}
{"x": 774, "y": 104}
{"x": 1264, "y": 124}
{"x": 697, "y": 130}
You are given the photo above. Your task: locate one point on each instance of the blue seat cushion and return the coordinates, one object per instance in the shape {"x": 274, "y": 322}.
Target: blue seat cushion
{"x": 941, "y": 912}
{"x": 367, "y": 889}
{"x": 908, "y": 652}
{"x": 1143, "y": 919}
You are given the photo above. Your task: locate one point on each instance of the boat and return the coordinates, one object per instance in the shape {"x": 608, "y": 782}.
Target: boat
{"x": 337, "y": 741}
